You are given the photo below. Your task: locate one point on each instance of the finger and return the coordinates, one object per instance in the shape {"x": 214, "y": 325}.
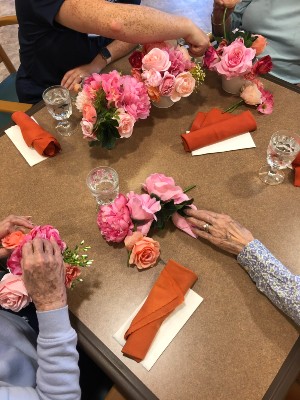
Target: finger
{"x": 48, "y": 248}
{"x": 207, "y": 236}
{"x": 27, "y": 249}
{"x": 72, "y": 81}
{"x": 66, "y": 77}
{"x": 21, "y": 221}
{"x": 194, "y": 222}
{"x": 38, "y": 245}
{"x": 56, "y": 248}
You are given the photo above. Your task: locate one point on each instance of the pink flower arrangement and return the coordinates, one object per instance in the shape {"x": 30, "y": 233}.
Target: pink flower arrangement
{"x": 235, "y": 56}
{"x": 110, "y": 105}
{"x": 130, "y": 217}
{"x": 166, "y": 71}
{"x": 13, "y": 294}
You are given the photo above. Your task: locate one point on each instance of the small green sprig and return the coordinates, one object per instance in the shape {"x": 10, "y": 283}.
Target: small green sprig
{"x": 77, "y": 256}
{"x": 199, "y": 75}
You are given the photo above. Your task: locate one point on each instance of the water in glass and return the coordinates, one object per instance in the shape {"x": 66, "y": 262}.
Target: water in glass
{"x": 103, "y": 183}
{"x": 59, "y": 104}
{"x": 281, "y": 151}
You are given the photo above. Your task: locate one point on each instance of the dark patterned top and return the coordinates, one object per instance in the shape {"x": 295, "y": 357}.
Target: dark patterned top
{"x": 272, "y": 278}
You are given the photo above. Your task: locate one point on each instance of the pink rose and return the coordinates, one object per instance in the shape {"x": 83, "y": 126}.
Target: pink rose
{"x": 251, "y": 94}
{"x": 126, "y": 123}
{"x": 156, "y": 59}
{"x": 164, "y": 187}
{"x": 114, "y": 220}
{"x": 210, "y": 58}
{"x": 152, "y": 77}
{"x": 72, "y": 273}
{"x": 159, "y": 45}
{"x": 183, "y": 87}
{"x": 144, "y": 253}
{"x": 87, "y": 130}
{"x": 89, "y": 113}
{"x": 259, "y": 44}
{"x": 12, "y": 240}
{"x": 167, "y": 84}
{"x": 13, "y": 293}
{"x": 236, "y": 59}
{"x": 142, "y": 207}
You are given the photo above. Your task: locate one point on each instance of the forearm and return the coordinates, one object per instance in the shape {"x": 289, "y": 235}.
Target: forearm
{"x": 125, "y": 22}
{"x": 58, "y": 372}
{"x": 272, "y": 278}
{"x": 119, "y": 49}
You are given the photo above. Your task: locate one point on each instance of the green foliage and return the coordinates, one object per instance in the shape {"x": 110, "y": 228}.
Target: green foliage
{"x": 232, "y": 36}
{"x": 75, "y": 256}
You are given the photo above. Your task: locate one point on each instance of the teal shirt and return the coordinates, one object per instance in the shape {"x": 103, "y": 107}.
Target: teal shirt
{"x": 279, "y": 22}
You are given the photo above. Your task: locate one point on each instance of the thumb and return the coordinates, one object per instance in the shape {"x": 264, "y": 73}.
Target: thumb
{"x": 4, "y": 253}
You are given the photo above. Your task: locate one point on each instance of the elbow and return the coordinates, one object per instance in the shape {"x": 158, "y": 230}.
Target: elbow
{"x": 116, "y": 27}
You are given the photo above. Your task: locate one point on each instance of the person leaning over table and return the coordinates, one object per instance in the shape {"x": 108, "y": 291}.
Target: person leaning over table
{"x": 271, "y": 277}
{"x": 43, "y": 366}
{"x": 277, "y": 21}
{"x": 55, "y": 47}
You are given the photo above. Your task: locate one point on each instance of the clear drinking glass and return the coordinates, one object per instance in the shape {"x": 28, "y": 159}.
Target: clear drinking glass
{"x": 58, "y": 102}
{"x": 103, "y": 183}
{"x": 282, "y": 150}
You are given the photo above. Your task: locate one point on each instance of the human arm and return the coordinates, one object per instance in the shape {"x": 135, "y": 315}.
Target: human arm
{"x": 117, "y": 50}
{"x": 130, "y": 23}
{"x": 271, "y": 277}
{"x": 233, "y": 16}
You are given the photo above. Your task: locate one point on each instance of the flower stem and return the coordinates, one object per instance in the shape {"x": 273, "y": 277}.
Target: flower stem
{"x": 233, "y": 107}
{"x": 224, "y": 23}
{"x": 189, "y": 188}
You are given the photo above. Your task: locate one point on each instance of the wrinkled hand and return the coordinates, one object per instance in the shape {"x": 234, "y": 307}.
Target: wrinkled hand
{"x": 44, "y": 274}
{"x": 223, "y": 231}
{"x": 198, "y": 42}
{"x": 10, "y": 224}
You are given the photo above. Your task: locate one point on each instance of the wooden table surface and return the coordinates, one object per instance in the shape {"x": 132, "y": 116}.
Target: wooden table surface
{"x": 235, "y": 343}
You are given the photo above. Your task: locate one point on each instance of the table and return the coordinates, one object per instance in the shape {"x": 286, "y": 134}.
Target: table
{"x": 237, "y": 343}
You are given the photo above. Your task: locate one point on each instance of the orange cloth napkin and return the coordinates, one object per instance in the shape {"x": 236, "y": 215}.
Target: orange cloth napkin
{"x": 35, "y": 136}
{"x": 214, "y": 126}
{"x": 296, "y": 166}
{"x": 167, "y": 293}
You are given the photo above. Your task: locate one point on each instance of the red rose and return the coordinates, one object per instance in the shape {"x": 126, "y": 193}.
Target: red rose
{"x": 136, "y": 59}
{"x": 263, "y": 66}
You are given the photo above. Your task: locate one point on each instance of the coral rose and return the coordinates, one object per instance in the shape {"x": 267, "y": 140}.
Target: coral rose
{"x": 89, "y": 113}
{"x": 153, "y": 93}
{"x": 13, "y": 293}
{"x": 251, "y": 94}
{"x": 131, "y": 240}
{"x": 183, "y": 87}
{"x": 145, "y": 253}
{"x": 259, "y": 44}
{"x": 114, "y": 220}
{"x": 12, "y": 240}
{"x": 72, "y": 273}
{"x": 156, "y": 59}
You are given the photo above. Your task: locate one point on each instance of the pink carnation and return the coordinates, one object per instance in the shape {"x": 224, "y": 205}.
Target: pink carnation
{"x": 178, "y": 61}
{"x": 167, "y": 84}
{"x": 114, "y": 220}
{"x": 267, "y": 102}
{"x": 72, "y": 273}
{"x": 13, "y": 293}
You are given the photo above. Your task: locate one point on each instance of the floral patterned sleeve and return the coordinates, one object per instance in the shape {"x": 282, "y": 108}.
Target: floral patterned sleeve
{"x": 272, "y": 278}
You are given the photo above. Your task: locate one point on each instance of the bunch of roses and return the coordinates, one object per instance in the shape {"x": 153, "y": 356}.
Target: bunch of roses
{"x": 110, "y": 105}
{"x": 166, "y": 71}
{"x": 13, "y": 293}
{"x": 235, "y": 56}
{"x": 130, "y": 217}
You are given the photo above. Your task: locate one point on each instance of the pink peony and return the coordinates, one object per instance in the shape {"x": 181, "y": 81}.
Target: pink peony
{"x": 114, "y": 220}
{"x": 145, "y": 252}
{"x": 178, "y": 62}
{"x": 259, "y": 44}
{"x": 156, "y": 59}
{"x": 13, "y": 293}
{"x": 126, "y": 123}
{"x": 72, "y": 273}
{"x": 236, "y": 59}
{"x": 142, "y": 207}
{"x": 89, "y": 113}
{"x": 164, "y": 187}
{"x": 251, "y": 94}
{"x": 167, "y": 84}
{"x": 210, "y": 58}
{"x": 152, "y": 77}
{"x": 43, "y": 232}
{"x": 183, "y": 87}
{"x": 88, "y": 130}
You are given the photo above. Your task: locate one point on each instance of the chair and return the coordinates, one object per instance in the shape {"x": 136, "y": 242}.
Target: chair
{"x": 8, "y": 97}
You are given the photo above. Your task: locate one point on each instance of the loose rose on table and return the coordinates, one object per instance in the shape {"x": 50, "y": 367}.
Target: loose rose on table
{"x": 130, "y": 218}
{"x": 13, "y": 294}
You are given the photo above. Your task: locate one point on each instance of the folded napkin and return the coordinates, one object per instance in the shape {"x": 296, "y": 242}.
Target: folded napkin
{"x": 167, "y": 293}
{"x": 214, "y": 126}
{"x": 296, "y": 166}
{"x": 35, "y": 136}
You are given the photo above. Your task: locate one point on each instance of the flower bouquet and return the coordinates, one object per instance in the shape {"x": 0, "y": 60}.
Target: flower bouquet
{"x": 234, "y": 57}
{"x": 130, "y": 218}
{"x": 166, "y": 71}
{"x": 110, "y": 105}
{"x": 13, "y": 293}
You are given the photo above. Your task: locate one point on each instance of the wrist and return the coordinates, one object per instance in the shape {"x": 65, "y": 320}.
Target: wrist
{"x": 51, "y": 305}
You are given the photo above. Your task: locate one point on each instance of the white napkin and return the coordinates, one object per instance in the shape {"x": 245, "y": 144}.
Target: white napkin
{"x": 29, "y": 153}
{"x": 243, "y": 141}
{"x": 168, "y": 330}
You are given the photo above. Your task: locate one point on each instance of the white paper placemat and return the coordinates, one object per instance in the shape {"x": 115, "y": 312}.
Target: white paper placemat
{"x": 29, "y": 153}
{"x": 168, "y": 330}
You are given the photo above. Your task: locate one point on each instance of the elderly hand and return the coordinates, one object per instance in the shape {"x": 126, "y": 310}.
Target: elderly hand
{"x": 44, "y": 274}
{"x": 219, "y": 229}
{"x": 10, "y": 224}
